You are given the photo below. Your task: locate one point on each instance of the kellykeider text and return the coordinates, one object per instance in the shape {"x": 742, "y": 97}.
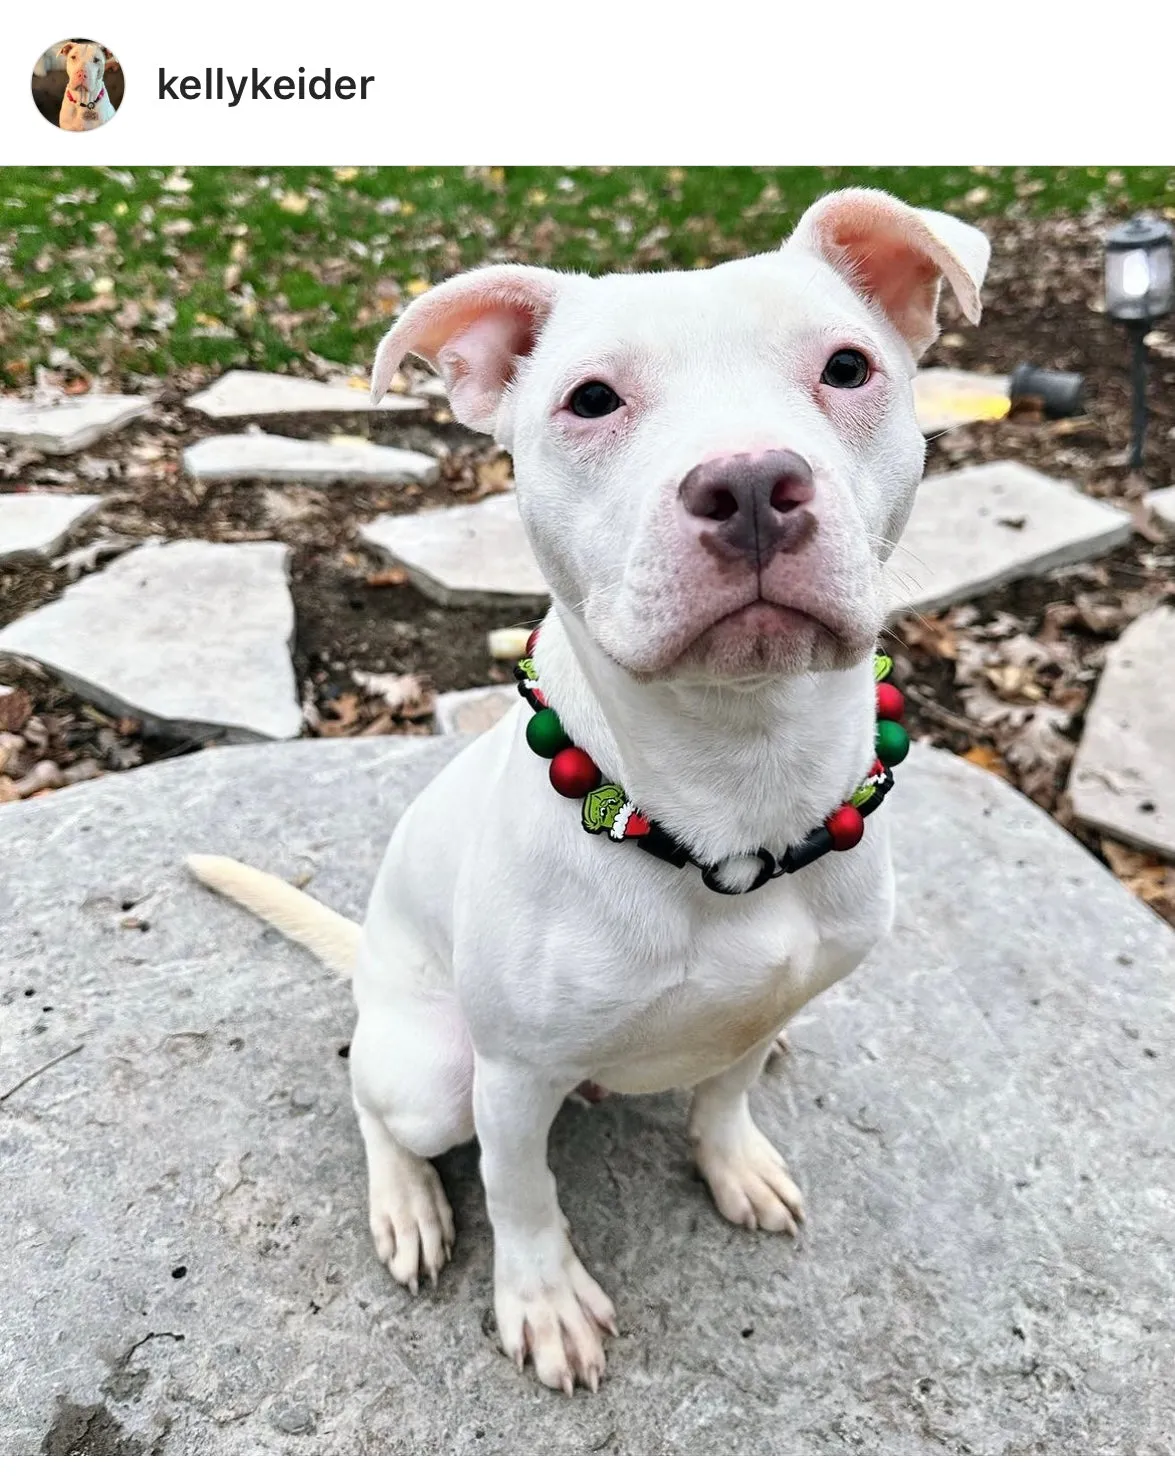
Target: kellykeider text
{"x": 217, "y": 86}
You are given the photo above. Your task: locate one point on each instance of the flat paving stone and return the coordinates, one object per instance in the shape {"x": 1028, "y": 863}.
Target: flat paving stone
{"x": 191, "y": 638}
{"x": 267, "y": 458}
{"x": 1162, "y": 504}
{"x": 461, "y": 555}
{"x": 980, "y": 1119}
{"x": 35, "y": 524}
{"x": 947, "y": 398}
{"x": 71, "y": 424}
{"x": 978, "y": 528}
{"x": 474, "y": 710}
{"x": 247, "y": 392}
{"x": 1123, "y": 776}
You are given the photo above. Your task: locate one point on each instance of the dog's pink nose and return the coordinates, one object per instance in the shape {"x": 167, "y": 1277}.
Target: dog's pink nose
{"x": 751, "y": 505}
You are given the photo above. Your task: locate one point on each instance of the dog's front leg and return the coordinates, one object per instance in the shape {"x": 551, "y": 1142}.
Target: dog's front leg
{"x": 747, "y": 1177}
{"x": 546, "y": 1304}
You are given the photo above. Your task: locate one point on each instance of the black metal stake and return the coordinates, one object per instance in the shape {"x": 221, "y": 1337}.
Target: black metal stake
{"x": 1138, "y": 333}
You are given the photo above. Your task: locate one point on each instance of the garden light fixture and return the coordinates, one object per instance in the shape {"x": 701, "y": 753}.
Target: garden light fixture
{"x": 1140, "y": 289}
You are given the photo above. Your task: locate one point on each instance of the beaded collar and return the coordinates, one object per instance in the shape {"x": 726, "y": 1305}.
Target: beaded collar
{"x": 607, "y": 809}
{"x": 89, "y": 106}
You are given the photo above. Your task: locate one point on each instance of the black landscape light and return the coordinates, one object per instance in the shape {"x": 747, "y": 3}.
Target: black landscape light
{"x": 1140, "y": 289}
{"x": 1061, "y": 396}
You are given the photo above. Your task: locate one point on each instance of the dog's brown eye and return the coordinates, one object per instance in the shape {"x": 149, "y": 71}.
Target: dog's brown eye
{"x": 593, "y": 400}
{"x": 847, "y": 369}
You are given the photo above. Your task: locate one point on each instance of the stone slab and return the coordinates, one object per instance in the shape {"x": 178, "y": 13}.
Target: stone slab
{"x": 462, "y": 555}
{"x": 1162, "y": 504}
{"x": 267, "y": 458}
{"x": 474, "y": 710}
{"x": 978, "y": 528}
{"x": 980, "y": 1119}
{"x": 71, "y": 424}
{"x": 247, "y": 392}
{"x": 35, "y": 524}
{"x": 1123, "y": 776}
{"x": 192, "y": 638}
{"x": 946, "y": 398}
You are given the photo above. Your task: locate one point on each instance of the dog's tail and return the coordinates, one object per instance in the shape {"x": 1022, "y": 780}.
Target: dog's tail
{"x": 329, "y": 935}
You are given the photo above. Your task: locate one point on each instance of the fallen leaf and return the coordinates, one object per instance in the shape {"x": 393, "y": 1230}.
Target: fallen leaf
{"x": 987, "y": 758}
{"x": 16, "y": 707}
{"x": 293, "y": 203}
{"x": 1146, "y": 876}
{"x": 104, "y": 304}
{"x": 495, "y": 475}
{"x": 399, "y": 692}
{"x": 930, "y": 633}
{"x": 347, "y": 173}
{"x": 346, "y": 708}
{"x": 383, "y": 578}
{"x": 129, "y": 316}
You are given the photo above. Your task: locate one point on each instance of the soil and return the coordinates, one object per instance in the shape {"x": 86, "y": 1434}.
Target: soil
{"x": 1042, "y": 302}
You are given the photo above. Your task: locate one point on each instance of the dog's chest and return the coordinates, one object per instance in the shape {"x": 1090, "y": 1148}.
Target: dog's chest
{"x": 737, "y": 985}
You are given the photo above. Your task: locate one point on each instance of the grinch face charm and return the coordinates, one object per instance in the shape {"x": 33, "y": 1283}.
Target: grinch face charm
{"x": 609, "y": 808}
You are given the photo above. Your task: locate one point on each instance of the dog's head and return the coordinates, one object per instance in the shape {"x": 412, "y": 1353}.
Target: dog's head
{"x": 86, "y": 63}
{"x": 713, "y": 466}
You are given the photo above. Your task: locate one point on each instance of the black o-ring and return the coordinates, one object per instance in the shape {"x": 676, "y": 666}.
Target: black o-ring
{"x": 767, "y": 871}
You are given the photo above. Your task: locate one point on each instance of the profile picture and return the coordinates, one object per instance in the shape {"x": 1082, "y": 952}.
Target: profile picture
{"x": 78, "y": 84}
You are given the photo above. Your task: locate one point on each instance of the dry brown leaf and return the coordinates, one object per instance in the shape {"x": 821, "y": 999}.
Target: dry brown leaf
{"x": 8, "y": 790}
{"x": 932, "y": 634}
{"x": 346, "y": 709}
{"x": 16, "y": 707}
{"x": 1146, "y": 876}
{"x": 495, "y": 475}
{"x": 383, "y": 578}
{"x": 403, "y": 694}
{"x": 105, "y": 302}
{"x": 987, "y": 758}
{"x": 1014, "y": 682}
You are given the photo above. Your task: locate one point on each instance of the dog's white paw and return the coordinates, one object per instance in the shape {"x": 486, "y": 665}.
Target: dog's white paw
{"x": 557, "y": 1321}
{"x": 750, "y": 1182}
{"x": 412, "y": 1224}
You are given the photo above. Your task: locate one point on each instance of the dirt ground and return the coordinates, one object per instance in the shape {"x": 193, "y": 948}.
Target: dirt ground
{"x": 1003, "y": 680}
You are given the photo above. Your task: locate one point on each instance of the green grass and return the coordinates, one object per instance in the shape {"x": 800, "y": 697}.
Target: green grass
{"x": 144, "y": 271}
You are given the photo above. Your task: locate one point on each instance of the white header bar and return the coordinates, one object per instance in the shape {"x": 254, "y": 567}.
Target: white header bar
{"x": 645, "y": 81}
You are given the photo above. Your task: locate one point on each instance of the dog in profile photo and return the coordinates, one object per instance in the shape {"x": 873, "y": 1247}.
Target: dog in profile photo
{"x": 86, "y": 103}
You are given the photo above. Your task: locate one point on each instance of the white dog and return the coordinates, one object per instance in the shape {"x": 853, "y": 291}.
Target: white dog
{"x": 713, "y": 467}
{"x": 86, "y": 103}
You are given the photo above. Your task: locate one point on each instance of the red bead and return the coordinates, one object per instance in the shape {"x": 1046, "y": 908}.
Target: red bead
{"x": 890, "y": 703}
{"x": 846, "y": 827}
{"x": 532, "y": 640}
{"x": 573, "y": 773}
{"x": 878, "y": 768}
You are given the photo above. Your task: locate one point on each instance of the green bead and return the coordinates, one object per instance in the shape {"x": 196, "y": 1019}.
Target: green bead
{"x": 893, "y": 743}
{"x": 545, "y": 734}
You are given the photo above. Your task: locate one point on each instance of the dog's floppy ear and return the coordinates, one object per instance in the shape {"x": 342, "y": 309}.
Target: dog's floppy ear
{"x": 111, "y": 59}
{"x": 897, "y": 257}
{"x": 66, "y": 46}
{"x": 473, "y": 329}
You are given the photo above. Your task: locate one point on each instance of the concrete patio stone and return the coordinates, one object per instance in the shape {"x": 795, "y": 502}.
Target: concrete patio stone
{"x": 980, "y": 1119}
{"x": 248, "y": 392}
{"x": 983, "y": 526}
{"x": 35, "y": 524}
{"x": 1123, "y": 776}
{"x": 71, "y": 424}
{"x": 266, "y": 458}
{"x": 191, "y": 638}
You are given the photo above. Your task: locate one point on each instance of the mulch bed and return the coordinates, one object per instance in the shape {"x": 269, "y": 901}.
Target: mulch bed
{"x": 1003, "y": 680}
